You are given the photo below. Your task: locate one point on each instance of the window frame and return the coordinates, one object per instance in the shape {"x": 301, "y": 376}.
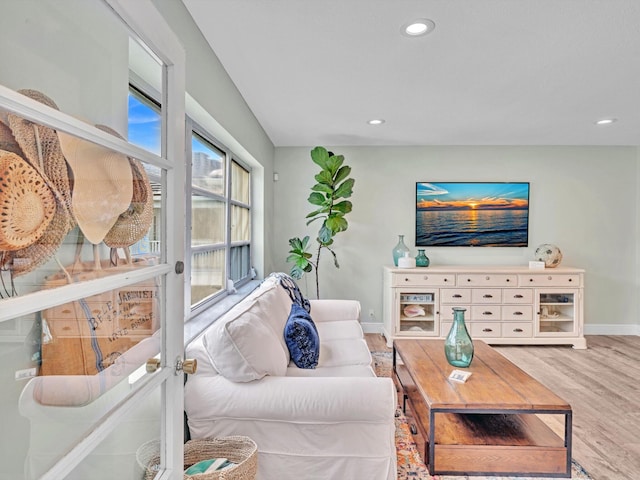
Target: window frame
{"x": 147, "y": 94}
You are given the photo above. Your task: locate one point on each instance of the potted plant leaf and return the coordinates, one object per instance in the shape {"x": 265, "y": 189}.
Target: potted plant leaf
{"x": 329, "y": 197}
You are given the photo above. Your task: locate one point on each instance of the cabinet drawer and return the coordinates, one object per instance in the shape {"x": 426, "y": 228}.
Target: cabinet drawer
{"x": 522, "y": 295}
{"x": 517, "y": 312}
{"x": 515, "y": 330}
{"x": 550, "y": 280}
{"x": 446, "y": 312}
{"x": 485, "y": 312}
{"x": 487, "y": 280}
{"x": 423, "y": 280}
{"x": 455, "y": 295}
{"x": 485, "y": 329}
{"x": 486, "y": 295}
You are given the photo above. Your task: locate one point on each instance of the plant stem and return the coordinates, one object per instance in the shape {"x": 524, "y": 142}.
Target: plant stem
{"x": 317, "y": 266}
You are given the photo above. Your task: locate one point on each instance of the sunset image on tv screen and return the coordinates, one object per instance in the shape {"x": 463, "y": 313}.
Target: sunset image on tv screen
{"x": 492, "y": 214}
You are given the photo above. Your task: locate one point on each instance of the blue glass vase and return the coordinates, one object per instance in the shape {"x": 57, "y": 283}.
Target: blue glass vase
{"x": 399, "y": 250}
{"x": 458, "y": 346}
{"x": 421, "y": 259}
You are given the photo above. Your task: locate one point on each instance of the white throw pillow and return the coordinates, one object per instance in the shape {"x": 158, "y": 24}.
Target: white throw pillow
{"x": 247, "y": 343}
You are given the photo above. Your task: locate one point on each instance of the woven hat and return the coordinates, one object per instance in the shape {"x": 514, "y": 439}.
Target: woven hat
{"x": 102, "y": 185}
{"x": 41, "y": 149}
{"x": 27, "y": 205}
{"x": 8, "y": 142}
{"x": 135, "y": 222}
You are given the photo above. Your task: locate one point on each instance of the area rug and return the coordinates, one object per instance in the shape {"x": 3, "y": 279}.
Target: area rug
{"x": 411, "y": 465}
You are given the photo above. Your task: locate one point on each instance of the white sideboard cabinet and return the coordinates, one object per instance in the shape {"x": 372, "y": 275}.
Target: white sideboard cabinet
{"x": 504, "y": 304}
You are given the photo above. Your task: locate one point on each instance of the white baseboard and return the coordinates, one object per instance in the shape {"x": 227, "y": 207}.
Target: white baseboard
{"x": 606, "y": 329}
{"x": 372, "y": 327}
{"x": 590, "y": 329}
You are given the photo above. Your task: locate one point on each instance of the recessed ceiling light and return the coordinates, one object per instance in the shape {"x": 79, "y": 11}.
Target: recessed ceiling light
{"x": 418, "y": 27}
{"x": 376, "y": 121}
{"x": 606, "y": 121}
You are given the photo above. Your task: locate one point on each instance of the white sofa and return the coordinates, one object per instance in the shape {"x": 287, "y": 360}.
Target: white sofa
{"x": 332, "y": 422}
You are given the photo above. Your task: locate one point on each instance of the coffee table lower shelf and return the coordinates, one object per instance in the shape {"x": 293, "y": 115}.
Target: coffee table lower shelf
{"x": 482, "y": 442}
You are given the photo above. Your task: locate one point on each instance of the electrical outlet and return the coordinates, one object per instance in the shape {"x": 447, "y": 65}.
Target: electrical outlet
{"x": 26, "y": 373}
{"x": 372, "y": 313}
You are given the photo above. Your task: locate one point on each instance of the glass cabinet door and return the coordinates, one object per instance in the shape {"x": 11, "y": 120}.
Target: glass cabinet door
{"x": 556, "y": 312}
{"x": 417, "y": 313}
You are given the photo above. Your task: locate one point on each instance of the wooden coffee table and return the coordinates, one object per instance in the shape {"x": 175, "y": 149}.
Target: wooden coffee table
{"x": 488, "y": 425}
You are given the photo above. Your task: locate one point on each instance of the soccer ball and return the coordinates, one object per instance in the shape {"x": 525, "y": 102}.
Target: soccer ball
{"x": 549, "y": 254}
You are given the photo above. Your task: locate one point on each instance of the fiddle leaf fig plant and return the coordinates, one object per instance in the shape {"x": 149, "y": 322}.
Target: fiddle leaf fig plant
{"x": 328, "y": 196}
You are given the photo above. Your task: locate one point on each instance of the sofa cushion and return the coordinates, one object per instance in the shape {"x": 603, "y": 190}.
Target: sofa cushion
{"x": 339, "y": 330}
{"x": 350, "y": 351}
{"x": 344, "y": 371}
{"x": 301, "y": 336}
{"x": 247, "y": 343}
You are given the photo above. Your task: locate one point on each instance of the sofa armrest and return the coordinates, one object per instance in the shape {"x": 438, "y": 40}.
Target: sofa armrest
{"x": 335, "y": 310}
{"x": 291, "y": 399}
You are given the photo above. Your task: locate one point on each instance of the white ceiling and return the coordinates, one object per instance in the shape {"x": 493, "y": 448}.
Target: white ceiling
{"x": 493, "y": 72}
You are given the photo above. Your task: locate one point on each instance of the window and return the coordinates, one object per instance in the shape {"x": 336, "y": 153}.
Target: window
{"x": 240, "y": 266}
{"x": 144, "y": 131}
{"x": 219, "y": 216}
{"x": 220, "y": 219}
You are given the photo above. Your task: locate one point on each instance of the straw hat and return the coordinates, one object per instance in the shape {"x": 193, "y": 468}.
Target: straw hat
{"x": 134, "y": 223}
{"x": 27, "y": 205}
{"x": 41, "y": 149}
{"x": 102, "y": 185}
{"x": 8, "y": 142}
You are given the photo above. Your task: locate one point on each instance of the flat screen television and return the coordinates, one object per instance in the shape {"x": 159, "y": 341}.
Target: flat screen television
{"x": 472, "y": 214}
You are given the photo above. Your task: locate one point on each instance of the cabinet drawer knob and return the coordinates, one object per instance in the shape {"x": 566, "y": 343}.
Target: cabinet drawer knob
{"x": 531, "y": 279}
{"x": 426, "y": 277}
{"x": 406, "y": 279}
{"x": 517, "y": 295}
{"x": 517, "y": 313}
{"x": 549, "y": 277}
{"x": 518, "y": 330}
{"x": 487, "y": 277}
{"x": 468, "y": 279}
{"x": 508, "y": 280}
{"x": 487, "y": 295}
{"x": 571, "y": 279}
{"x": 457, "y": 295}
{"x": 486, "y": 312}
{"x": 446, "y": 279}
{"x": 487, "y": 330}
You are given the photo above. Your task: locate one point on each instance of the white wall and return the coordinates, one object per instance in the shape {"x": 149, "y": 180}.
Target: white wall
{"x": 584, "y": 199}
{"x": 220, "y": 108}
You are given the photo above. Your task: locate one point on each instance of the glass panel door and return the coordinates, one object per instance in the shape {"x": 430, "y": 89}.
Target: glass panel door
{"x": 84, "y": 275}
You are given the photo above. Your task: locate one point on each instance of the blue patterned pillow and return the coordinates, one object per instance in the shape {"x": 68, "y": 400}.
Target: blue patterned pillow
{"x": 301, "y": 337}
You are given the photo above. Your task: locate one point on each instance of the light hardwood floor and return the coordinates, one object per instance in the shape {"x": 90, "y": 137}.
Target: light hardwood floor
{"x": 602, "y": 384}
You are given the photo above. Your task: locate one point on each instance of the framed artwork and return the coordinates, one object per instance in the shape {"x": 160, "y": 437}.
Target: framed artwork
{"x": 472, "y": 214}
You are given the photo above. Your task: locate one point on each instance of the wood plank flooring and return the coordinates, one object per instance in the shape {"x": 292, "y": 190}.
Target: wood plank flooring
{"x": 602, "y": 384}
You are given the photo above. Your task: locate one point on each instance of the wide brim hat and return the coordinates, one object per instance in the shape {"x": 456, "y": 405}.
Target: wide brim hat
{"x": 41, "y": 149}
{"x": 27, "y": 204}
{"x": 102, "y": 185}
{"x": 133, "y": 224}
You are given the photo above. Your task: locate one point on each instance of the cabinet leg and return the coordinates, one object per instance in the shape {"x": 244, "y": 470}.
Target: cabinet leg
{"x": 580, "y": 343}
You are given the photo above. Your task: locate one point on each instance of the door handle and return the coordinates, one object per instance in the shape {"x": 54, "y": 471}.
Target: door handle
{"x": 188, "y": 366}
{"x": 153, "y": 364}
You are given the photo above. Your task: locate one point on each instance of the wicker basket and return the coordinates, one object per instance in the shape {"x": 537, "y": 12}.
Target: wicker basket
{"x": 240, "y": 450}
